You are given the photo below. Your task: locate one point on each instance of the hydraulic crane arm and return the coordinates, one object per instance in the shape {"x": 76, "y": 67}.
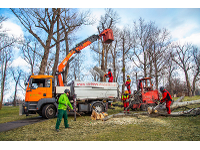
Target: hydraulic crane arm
{"x": 107, "y": 38}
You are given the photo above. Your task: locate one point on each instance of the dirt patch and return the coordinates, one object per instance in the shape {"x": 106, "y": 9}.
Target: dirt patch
{"x": 132, "y": 120}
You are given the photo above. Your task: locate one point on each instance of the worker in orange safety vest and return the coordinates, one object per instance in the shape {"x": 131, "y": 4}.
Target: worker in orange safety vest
{"x": 125, "y": 99}
{"x": 128, "y": 83}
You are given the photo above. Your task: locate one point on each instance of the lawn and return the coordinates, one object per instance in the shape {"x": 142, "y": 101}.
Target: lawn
{"x": 141, "y": 128}
{"x": 11, "y": 113}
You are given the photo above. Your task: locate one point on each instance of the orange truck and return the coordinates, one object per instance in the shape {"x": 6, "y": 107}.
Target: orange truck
{"x": 43, "y": 91}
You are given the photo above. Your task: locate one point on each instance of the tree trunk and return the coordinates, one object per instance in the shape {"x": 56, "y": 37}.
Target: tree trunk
{"x": 57, "y": 45}
{"x": 145, "y": 64}
{"x": 188, "y": 84}
{"x": 3, "y": 80}
{"x": 102, "y": 79}
{"x": 46, "y": 54}
{"x": 162, "y": 108}
{"x": 47, "y": 46}
{"x": 67, "y": 52}
{"x": 123, "y": 67}
{"x": 194, "y": 82}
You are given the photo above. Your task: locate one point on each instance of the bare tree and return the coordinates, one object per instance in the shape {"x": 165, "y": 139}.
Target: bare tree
{"x": 126, "y": 43}
{"x": 158, "y": 51}
{"x": 183, "y": 55}
{"x": 196, "y": 69}
{"x": 43, "y": 19}
{"x": 31, "y": 52}
{"x": 5, "y": 58}
{"x": 108, "y": 20}
{"x": 141, "y": 47}
{"x": 71, "y": 20}
{"x": 16, "y": 76}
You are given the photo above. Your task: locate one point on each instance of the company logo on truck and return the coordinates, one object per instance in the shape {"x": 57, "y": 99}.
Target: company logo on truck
{"x": 95, "y": 84}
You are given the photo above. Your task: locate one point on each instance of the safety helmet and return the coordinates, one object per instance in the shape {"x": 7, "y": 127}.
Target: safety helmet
{"x": 128, "y": 76}
{"x": 126, "y": 92}
{"x": 109, "y": 70}
{"x": 161, "y": 89}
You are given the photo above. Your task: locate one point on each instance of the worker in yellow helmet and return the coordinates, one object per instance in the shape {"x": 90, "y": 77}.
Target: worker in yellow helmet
{"x": 125, "y": 99}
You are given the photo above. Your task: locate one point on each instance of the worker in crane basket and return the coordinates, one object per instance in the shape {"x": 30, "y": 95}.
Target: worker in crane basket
{"x": 62, "y": 109}
{"x": 125, "y": 99}
{"x": 128, "y": 83}
{"x": 109, "y": 75}
{"x": 166, "y": 97}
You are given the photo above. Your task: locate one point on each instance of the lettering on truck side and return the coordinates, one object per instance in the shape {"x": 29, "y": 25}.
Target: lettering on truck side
{"x": 95, "y": 84}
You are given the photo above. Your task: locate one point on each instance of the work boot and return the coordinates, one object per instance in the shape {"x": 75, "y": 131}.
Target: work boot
{"x": 57, "y": 130}
{"x": 68, "y": 127}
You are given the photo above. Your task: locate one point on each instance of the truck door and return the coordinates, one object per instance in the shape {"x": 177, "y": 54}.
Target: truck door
{"x": 38, "y": 89}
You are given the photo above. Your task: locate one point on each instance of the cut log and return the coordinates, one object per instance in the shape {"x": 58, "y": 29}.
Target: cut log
{"x": 161, "y": 108}
{"x": 101, "y": 72}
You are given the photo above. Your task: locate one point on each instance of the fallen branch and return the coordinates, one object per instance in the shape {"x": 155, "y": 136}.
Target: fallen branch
{"x": 101, "y": 72}
{"x": 161, "y": 108}
{"x": 190, "y": 112}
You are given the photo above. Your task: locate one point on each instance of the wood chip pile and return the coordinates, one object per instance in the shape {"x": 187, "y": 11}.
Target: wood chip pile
{"x": 97, "y": 116}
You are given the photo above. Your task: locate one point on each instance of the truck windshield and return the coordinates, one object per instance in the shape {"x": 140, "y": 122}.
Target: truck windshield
{"x": 36, "y": 83}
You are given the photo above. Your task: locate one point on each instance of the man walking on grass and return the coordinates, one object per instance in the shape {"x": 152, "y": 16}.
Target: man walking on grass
{"x": 62, "y": 109}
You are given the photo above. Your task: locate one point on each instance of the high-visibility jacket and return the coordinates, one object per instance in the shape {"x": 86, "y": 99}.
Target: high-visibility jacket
{"x": 128, "y": 82}
{"x": 166, "y": 96}
{"x": 125, "y": 97}
{"x": 64, "y": 100}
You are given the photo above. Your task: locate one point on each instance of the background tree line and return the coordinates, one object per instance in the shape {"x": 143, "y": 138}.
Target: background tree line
{"x": 140, "y": 49}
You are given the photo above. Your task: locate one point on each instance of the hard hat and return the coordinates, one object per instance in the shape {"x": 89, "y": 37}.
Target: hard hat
{"x": 161, "y": 89}
{"x": 128, "y": 76}
{"x": 126, "y": 92}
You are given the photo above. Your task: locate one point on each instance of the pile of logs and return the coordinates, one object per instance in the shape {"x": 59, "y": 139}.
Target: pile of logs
{"x": 97, "y": 116}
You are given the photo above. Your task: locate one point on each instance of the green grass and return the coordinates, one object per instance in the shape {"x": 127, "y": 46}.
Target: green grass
{"x": 141, "y": 128}
{"x": 8, "y": 113}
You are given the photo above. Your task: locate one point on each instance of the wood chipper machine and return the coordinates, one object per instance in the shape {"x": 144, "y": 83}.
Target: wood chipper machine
{"x": 144, "y": 96}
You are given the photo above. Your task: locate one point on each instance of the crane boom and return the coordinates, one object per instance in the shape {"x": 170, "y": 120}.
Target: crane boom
{"x": 107, "y": 38}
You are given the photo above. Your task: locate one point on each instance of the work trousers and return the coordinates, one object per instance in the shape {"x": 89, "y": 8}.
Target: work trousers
{"x": 62, "y": 114}
{"x": 110, "y": 79}
{"x": 129, "y": 89}
{"x": 126, "y": 104}
{"x": 168, "y": 103}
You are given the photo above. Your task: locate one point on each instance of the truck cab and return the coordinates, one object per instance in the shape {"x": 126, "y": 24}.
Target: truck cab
{"x": 40, "y": 96}
{"x": 39, "y": 87}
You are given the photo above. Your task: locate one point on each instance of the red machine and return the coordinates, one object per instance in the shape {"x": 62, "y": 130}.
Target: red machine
{"x": 145, "y": 95}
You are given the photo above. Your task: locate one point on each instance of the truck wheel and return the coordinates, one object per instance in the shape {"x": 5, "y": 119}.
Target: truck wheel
{"x": 98, "y": 107}
{"x": 49, "y": 111}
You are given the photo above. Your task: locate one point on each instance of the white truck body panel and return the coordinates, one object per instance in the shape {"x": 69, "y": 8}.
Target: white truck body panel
{"x": 61, "y": 89}
{"x": 94, "y": 90}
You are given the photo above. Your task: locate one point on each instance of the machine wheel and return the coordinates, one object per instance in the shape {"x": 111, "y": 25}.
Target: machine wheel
{"x": 49, "y": 111}
{"x": 98, "y": 107}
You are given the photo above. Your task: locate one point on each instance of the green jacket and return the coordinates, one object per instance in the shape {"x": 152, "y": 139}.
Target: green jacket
{"x": 64, "y": 100}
